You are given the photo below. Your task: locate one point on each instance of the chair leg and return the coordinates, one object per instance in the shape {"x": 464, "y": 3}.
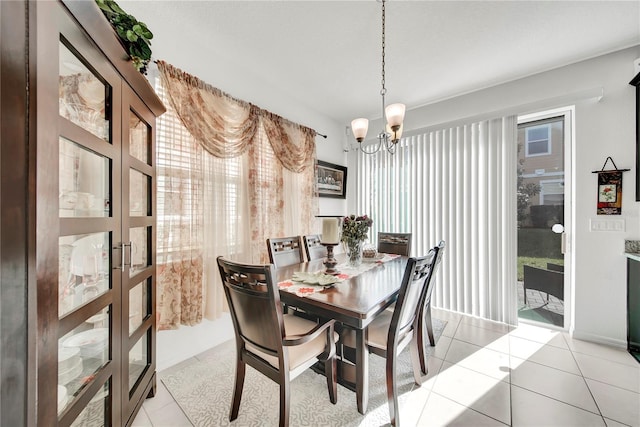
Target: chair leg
{"x": 416, "y": 361}
{"x": 427, "y": 319}
{"x": 237, "y": 391}
{"x": 284, "y": 401}
{"x": 392, "y": 392}
{"x": 330, "y": 367}
{"x": 419, "y": 336}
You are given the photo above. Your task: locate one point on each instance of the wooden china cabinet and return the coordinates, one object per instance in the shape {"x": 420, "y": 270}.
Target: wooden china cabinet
{"x": 90, "y": 206}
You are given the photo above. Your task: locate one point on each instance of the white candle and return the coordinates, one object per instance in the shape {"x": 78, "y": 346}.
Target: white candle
{"x": 330, "y": 230}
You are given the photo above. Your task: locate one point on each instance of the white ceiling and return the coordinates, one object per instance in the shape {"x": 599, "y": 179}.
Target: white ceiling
{"x": 326, "y": 54}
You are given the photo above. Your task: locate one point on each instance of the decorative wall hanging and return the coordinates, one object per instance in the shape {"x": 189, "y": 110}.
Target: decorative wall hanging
{"x": 610, "y": 189}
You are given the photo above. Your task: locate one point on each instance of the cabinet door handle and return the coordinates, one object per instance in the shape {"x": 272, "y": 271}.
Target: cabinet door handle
{"x": 124, "y": 251}
{"x": 122, "y": 247}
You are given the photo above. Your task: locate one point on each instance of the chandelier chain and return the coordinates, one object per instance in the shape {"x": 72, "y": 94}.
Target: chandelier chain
{"x": 390, "y": 135}
{"x": 383, "y": 91}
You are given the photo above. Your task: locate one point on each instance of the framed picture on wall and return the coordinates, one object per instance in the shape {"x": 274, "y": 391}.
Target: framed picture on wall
{"x": 331, "y": 180}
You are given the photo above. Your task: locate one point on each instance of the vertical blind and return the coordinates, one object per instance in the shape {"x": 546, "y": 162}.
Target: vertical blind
{"x": 458, "y": 185}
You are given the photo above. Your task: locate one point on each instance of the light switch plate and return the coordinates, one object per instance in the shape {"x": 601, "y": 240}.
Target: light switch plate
{"x": 615, "y": 225}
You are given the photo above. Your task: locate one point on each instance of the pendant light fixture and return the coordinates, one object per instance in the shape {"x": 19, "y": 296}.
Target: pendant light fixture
{"x": 394, "y": 113}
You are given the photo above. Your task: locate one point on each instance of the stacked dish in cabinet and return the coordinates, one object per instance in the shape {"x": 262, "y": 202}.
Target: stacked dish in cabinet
{"x": 69, "y": 364}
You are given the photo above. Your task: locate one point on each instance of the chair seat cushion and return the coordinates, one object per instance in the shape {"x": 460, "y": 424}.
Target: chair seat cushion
{"x": 377, "y": 332}
{"x": 298, "y": 354}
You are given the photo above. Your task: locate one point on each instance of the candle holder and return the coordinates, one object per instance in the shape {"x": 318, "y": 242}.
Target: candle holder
{"x": 330, "y": 262}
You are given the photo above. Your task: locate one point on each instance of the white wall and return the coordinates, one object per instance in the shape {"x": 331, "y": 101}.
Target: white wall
{"x": 605, "y": 128}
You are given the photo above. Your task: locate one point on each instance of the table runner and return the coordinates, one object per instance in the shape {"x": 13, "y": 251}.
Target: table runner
{"x": 346, "y": 272}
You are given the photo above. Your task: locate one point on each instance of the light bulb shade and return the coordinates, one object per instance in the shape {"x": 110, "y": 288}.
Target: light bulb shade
{"x": 395, "y": 114}
{"x": 359, "y": 128}
{"x": 395, "y": 136}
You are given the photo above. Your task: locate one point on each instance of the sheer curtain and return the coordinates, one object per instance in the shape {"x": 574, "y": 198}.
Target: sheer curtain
{"x": 180, "y": 216}
{"x": 229, "y": 176}
{"x": 458, "y": 185}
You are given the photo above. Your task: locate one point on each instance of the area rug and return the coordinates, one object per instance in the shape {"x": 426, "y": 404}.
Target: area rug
{"x": 203, "y": 389}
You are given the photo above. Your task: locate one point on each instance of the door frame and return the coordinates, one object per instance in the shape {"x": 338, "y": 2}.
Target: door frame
{"x": 568, "y": 113}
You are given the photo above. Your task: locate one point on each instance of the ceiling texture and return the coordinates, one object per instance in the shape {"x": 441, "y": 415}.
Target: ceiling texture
{"x": 327, "y": 54}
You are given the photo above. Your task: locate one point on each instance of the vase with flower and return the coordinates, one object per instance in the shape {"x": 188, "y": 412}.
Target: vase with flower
{"x": 355, "y": 230}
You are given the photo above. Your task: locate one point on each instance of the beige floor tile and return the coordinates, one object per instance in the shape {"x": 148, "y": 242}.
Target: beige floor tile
{"x": 169, "y": 416}
{"x": 544, "y": 354}
{"x": 606, "y": 371}
{"x": 482, "y": 393}
{"x": 441, "y": 348}
{"x": 440, "y": 411}
{"x": 142, "y": 419}
{"x": 450, "y": 329}
{"x": 612, "y": 423}
{"x": 493, "y": 340}
{"x": 486, "y": 324}
{"x": 162, "y": 398}
{"x": 433, "y": 369}
{"x": 613, "y": 354}
{"x": 553, "y": 383}
{"x": 540, "y": 334}
{"x": 616, "y": 403}
{"x": 485, "y": 361}
{"x": 412, "y": 405}
{"x": 532, "y": 409}
{"x": 452, "y": 319}
{"x": 449, "y": 316}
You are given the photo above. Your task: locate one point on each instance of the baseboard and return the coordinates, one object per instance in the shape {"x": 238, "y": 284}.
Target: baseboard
{"x": 598, "y": 339}
{"x": 175, "y": 346}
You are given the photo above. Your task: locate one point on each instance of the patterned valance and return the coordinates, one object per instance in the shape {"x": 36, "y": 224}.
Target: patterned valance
{"x": 226, "y": 126}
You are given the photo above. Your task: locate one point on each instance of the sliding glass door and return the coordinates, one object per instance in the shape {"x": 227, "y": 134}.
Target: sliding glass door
{"x": 542, "y": 200}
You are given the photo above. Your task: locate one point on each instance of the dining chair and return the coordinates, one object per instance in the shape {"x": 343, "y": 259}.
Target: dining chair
{"x": 425, "y": 309}
{"x": 394, "y": 243}
{"x": 285, "y": 251}
{"x": 280, "y": 346}
{"x": 313, "y": 247}
{"x": 425, "y": 323}
{"x": 391, "y": 331}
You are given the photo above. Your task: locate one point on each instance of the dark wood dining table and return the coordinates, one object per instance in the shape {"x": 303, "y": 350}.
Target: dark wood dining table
{"x": 355, "y": 302}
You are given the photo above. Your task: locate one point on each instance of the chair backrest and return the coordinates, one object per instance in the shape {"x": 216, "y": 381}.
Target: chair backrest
{"x": 555, "y": 267}
{"x": 416, "y": 280}
{"x": 285, "y": 251}
{"x": 394, "y": 243}
{"x": 254, "y": 302}
{"x": 436, "y": 264}
{"x": 313, "y": 247}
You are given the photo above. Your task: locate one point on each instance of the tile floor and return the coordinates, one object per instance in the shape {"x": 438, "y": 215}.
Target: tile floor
{"x": 484, "y": 373}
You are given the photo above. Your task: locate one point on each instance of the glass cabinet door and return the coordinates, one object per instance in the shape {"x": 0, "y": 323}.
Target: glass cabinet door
{"x": 138, "y": 182}
{"x": 89, "y": 284}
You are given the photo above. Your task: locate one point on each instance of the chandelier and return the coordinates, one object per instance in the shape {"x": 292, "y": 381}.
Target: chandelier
{"x": 394, "y": 113}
